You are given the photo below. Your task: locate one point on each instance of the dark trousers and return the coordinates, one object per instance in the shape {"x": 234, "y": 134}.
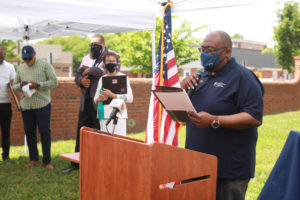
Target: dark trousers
{"x": 38, "y": 118}
{"x": 5, "y": 120}
{"x": 228, "y": 189}
{"x": 88, "y": 117}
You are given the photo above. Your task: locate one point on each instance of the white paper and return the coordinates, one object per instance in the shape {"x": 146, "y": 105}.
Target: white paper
{"x": 28, "y": 92}
{"x": 177, "y": 100}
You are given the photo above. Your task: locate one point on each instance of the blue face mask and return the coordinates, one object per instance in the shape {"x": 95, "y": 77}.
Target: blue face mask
{"x": 209, "y": 61}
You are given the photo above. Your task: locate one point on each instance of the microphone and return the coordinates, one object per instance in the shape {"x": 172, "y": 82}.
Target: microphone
{"x": 191, "y": 91}
{"x": 118, "y": 105}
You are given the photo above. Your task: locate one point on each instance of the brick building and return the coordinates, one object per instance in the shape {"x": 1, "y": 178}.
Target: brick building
{"x": 249, "y": 54}
{"x": 61, "y": 61}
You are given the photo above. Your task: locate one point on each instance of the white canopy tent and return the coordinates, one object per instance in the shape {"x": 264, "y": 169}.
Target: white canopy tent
{"x": 48, "y": 18}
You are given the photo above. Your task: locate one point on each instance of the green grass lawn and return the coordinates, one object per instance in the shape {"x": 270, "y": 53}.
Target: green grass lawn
{"x": 18, "y": 182}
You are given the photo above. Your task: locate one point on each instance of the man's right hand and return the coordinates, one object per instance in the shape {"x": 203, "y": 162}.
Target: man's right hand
{"x": 23, "y": 83}
{"x": 85, "y": 82}
{"x": 85, "y": 72}
{"x": 190, "y": 82}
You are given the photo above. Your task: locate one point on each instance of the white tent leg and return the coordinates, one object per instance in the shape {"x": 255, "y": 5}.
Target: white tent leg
{"x": 153, "y": 52}
{"x": 25, "y": 144}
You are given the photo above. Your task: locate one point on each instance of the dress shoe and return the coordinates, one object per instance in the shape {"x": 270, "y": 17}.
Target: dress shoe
{"x": 6, "y": 159}
{"x": 70, "y": 169}
{"x": 33, "y": 163}
{"x": 48, "y": 166}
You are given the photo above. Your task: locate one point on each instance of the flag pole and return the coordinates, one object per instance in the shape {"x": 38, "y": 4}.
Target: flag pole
{"x": 165, "y": 5}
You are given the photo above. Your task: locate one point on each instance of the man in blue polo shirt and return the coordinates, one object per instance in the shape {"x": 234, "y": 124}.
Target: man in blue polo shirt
{"x": 228, "y": 99}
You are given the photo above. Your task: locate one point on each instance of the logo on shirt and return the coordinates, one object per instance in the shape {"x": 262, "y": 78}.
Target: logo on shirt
{"x": 219, "y": 84}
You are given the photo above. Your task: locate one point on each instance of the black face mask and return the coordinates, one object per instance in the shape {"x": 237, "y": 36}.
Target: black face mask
{"x": 95, "y": 51}
{"x": 111, "y": 67}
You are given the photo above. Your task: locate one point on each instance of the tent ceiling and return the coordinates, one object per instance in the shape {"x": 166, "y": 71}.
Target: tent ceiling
{"x": 47, "y": 18}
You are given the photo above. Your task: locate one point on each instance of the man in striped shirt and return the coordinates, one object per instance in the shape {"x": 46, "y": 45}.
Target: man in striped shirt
{"x": 36, "y": 109}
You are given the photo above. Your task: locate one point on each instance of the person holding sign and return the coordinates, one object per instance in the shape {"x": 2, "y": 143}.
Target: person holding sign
{"x": 113, "y": 85}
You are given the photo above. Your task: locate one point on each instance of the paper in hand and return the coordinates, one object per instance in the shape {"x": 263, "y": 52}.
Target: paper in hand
{"x": 175, "y": 101}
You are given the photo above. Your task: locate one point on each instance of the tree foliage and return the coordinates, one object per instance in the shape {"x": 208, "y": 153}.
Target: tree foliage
{"x": 9, "y": 47}
{"x": 135, "y": 48}
{"x": 287, "y": 35}
{"x": 78, "y": 45}
{"x": 237, "y": 36}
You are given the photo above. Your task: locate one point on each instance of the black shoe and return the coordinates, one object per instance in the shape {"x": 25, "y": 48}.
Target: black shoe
{"x": 6, "y": 158}
{"x": 70, "y": 169}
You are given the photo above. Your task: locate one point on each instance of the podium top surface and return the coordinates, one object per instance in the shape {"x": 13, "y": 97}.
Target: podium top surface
{"x": 74, "y": 157}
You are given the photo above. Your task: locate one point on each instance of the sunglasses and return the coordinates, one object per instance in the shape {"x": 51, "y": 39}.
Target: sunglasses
{"x": 27, "y": 59}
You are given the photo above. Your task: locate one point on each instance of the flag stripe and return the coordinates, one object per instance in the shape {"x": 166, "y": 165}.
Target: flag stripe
{"x": 161, "y": 127}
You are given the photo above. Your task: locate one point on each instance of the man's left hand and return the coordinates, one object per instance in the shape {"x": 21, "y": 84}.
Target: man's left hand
{"x": 201, "y": 119}
{"x": 34, "y": 85}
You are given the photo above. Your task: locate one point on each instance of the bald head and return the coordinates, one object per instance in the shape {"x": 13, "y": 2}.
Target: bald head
{"x": 223, "y": 37}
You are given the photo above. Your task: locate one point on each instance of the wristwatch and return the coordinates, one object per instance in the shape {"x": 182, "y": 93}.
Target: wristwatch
{"x": 215, "y": 123}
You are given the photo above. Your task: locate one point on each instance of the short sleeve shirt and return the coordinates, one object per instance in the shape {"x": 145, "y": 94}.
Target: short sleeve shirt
{"x": 232, "y": 90}
{"x": 7, "y": 73}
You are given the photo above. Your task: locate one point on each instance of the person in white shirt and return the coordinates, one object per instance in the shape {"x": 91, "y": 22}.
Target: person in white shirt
{"x": 111, "y": 60}
{"x": 7, "y": 75}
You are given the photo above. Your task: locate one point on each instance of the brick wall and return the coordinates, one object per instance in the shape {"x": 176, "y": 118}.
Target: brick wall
{"x": 279, "y": 97}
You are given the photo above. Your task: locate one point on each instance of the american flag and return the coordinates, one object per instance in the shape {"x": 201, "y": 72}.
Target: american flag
{"x": 161, "y": 128}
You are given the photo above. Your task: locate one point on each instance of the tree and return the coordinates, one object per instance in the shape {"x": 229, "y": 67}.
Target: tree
{"x": 135, "y": 48}
{"x": 9, "y": 47}
{"x": 237, "y": 36}
{"x": 78, "y": 45}
{"x": 287, "y": 35}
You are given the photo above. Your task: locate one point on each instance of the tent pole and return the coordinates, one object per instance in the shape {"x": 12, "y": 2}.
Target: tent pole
{"x": 153, "y": 51}
{"x": 19, "y": 62}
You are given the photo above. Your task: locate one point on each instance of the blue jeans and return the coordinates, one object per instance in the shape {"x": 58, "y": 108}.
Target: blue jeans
{"x": 41, "y": 118}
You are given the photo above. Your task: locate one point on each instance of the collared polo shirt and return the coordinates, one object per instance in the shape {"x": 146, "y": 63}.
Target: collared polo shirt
{"x": 41, "y": 72}
{"x": 232, "y": 90}
{"x": 7, "y": 73}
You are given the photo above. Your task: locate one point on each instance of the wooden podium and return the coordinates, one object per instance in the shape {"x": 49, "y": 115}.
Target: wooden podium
{"x": 116, "y": 167}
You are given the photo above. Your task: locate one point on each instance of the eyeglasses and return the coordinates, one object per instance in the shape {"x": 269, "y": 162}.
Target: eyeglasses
{"x": 210, "y": 49}
{"x": 94, "y": 44}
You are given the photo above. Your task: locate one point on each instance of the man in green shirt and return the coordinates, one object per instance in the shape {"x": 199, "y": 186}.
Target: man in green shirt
{"x": 35, "y": 78}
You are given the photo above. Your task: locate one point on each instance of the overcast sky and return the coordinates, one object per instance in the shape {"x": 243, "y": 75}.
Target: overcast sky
{"x": 253, "y": 21}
